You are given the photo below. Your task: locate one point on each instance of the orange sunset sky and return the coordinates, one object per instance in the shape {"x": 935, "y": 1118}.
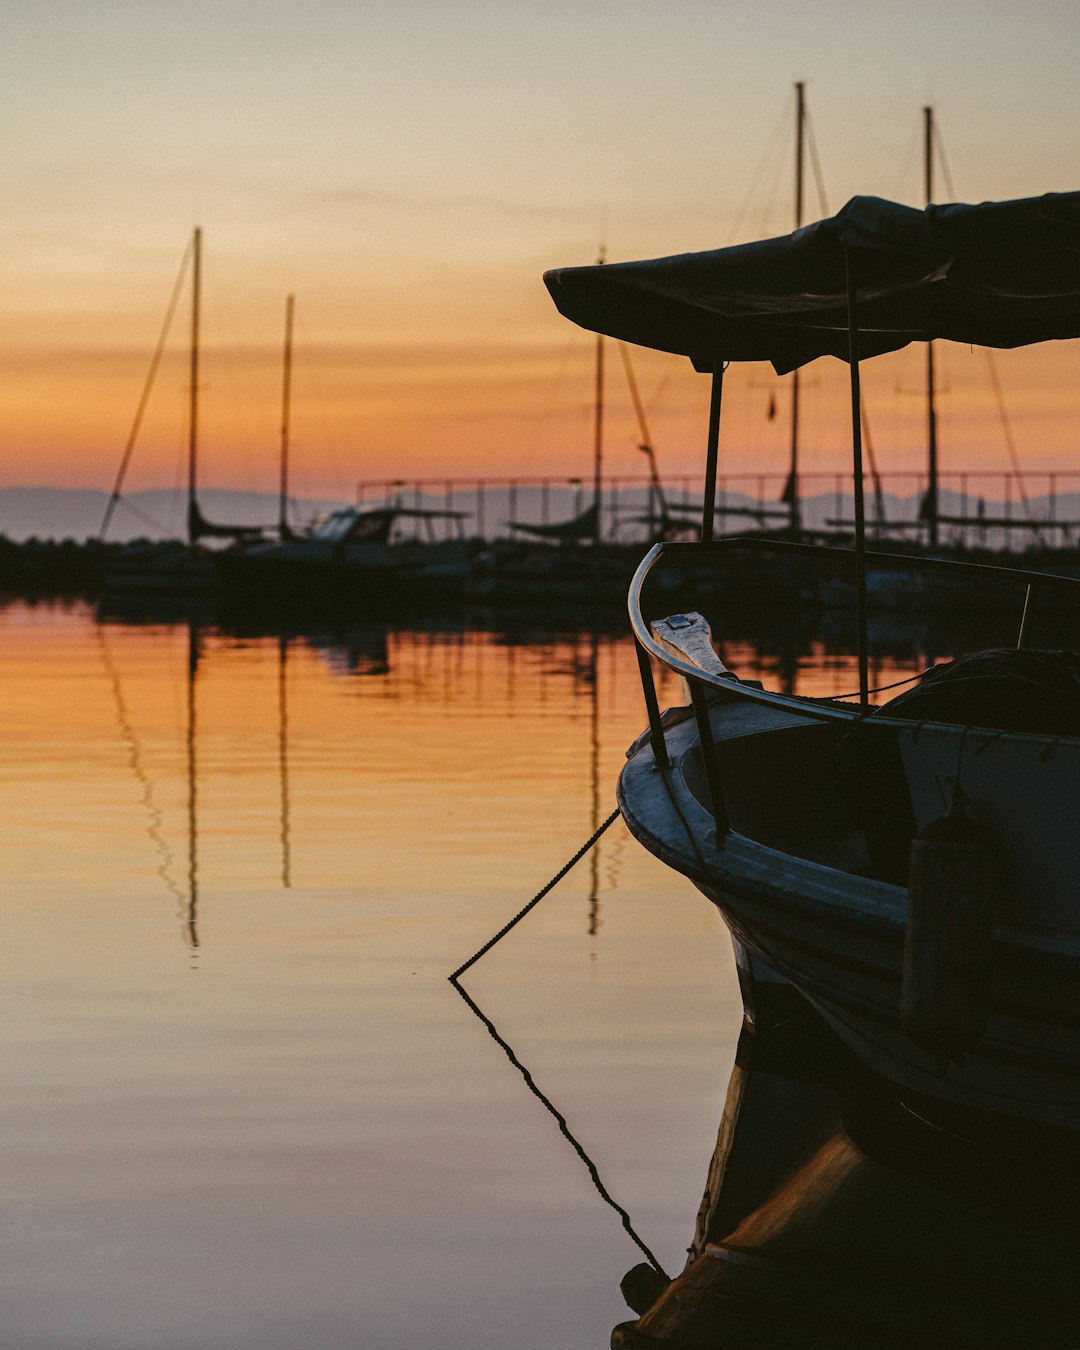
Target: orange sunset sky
{"x": 410, "y": 169}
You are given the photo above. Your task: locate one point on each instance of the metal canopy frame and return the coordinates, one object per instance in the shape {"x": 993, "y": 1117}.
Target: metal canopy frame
{"x": 713, "y": 455}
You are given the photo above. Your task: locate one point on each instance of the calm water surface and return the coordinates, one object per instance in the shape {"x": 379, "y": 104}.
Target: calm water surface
{"x": 243, "y": 1105}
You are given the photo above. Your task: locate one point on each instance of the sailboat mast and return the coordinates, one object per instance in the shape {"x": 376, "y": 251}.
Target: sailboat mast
{"x": 930, "y": 502}
{"x": 598, "y": 422}
{"x": 283, "y": 497}
{"x": 193, "y": 405}
{"x": 791, "y": 491}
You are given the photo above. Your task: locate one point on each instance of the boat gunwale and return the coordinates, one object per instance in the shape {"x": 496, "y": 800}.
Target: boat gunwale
{"x": 825, "y": 709}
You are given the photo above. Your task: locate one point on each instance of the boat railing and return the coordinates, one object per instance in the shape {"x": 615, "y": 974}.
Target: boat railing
{"x": 700, "y": 681}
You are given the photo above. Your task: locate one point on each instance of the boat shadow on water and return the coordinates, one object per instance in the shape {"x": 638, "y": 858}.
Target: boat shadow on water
{"x": 840, "y": 1214}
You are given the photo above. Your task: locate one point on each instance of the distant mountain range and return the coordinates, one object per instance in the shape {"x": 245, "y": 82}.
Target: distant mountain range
{"x": 67, "y": 513}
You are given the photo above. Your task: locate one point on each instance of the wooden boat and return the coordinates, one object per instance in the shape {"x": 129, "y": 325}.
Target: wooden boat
{"x": 912, "y": 869}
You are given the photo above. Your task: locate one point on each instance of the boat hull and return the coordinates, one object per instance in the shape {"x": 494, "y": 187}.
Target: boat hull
{"x": 160, "y": 570}
{"x": 366, "y": 579}
{"x": 838, "y": 937}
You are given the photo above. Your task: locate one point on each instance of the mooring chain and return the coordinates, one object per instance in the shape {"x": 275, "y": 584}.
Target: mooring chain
{"x": 536, "y": 898}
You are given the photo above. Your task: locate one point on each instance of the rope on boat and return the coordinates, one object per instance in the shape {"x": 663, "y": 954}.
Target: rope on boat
{"x": 535, "y": 900}
{"x": 881, "y": 688}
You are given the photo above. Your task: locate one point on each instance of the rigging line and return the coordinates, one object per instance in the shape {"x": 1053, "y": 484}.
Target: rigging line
{"x": 880, "y": 689}
{"x": 643, "y": 427}
{"x": 1006, "y": 426}
{"x": 879, "y": 494}
{"x": 769, "y": 211}
{"x": 635, "y": 396}
{"x": 770, "y": 150}
{"x": 939, "y": 145}
{"x": 991, "y": 363}
{"x": 145, "y": 516}
{"x": 815, "y": 162}
{"x": 148, "y": 385}
{"x": 564, "y": 1128}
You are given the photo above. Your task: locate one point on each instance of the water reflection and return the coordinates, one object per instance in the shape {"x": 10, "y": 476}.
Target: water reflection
{"x": 445, "y": 665}
{"x": 837, "y": 1215}
{"x": 564, "y": 1129}
{"x": 266, "y": 1152}
{"x": 450, "y": 662}
{"x": 155, "y": 814}
{"x": 191, "y": 932}
{"x": 283, "y": 758}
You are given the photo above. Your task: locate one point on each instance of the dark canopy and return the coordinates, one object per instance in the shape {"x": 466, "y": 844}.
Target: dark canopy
{"x": 1002, "y": 274}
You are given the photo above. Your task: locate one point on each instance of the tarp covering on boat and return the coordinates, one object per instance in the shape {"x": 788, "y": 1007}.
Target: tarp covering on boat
{"x": 1000, "y": 274}
{"x": 1004, "y": 689}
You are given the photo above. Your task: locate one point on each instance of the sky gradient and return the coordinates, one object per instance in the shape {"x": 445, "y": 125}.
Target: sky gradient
{"x": 409, "y": 170}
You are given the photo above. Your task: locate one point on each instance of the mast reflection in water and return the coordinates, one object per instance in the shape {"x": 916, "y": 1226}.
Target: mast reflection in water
{"x": 295, "y": 1133}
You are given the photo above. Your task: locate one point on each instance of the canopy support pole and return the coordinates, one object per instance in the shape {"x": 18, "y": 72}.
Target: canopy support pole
{"x": 791, "y": 488}
{"x": 598, "y": 434}
{"x": 708, "y": 509}
{"x": 930, "y": 501}
{"x": 857, "y": 473}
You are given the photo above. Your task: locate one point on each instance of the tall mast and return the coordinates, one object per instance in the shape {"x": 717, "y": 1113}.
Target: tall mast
{"x": 791, "y": 489}
{"x": 930, "y": 501}
{"x": 193, "y": 406}
{"x": 598, "y": 422}
{"x": 283, "y": 498}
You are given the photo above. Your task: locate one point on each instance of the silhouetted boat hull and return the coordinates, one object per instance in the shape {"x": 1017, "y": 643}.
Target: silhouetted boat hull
{"x": 793, "y": 880}
{"x": 169, "y": 569}
{"x": 367, "y": 578}
{"x": 347, "y": 562}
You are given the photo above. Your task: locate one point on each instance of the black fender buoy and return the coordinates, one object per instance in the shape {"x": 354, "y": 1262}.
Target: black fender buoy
{"x": 956, "y": 870}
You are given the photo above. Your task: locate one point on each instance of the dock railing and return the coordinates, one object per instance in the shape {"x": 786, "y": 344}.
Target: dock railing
{"x": 999, "y": 510}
